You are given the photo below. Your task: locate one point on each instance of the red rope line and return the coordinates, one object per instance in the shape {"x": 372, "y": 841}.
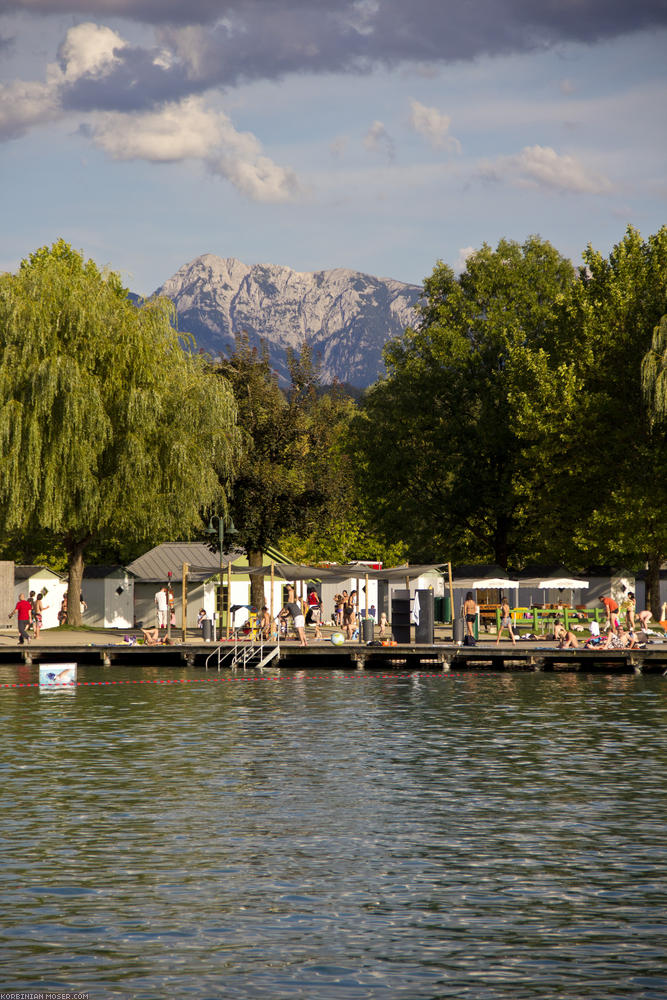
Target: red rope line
{"x": 209, "y": 680}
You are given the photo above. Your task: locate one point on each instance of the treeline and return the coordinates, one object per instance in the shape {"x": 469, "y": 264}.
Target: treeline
{"x": 521, "y": 419}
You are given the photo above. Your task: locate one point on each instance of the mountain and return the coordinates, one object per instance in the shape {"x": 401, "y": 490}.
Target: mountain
{"x": 345, "y": 316}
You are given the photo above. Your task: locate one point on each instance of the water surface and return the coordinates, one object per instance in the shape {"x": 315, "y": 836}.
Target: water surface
{"x": 340, "y": 835}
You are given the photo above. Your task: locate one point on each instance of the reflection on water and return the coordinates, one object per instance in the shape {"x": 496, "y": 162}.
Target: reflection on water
{"x": 345, "y": 836}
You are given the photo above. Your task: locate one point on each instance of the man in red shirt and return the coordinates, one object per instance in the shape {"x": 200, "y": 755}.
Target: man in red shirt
{"x": 611, "y": 607}
{"x": 23, "y": 611}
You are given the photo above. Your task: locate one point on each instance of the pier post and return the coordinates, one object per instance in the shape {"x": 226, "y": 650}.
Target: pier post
{"x": 359, "y": 660}
{"x": 445, "y": 662}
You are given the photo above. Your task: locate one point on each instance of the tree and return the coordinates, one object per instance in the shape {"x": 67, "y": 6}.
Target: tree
{"x": 108, "y": 428}
{"x": 621, "y": 300}
{"x": 438, "y": 454}
{"x": 606, "y": 474}
{"x": 654, "y": 375}
{"x": 269, "y": 492}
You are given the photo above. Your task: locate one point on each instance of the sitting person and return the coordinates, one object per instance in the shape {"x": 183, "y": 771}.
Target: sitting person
{"x": 569, "y": 640}
{"x": 151, "y": 636}
{"x": 560, "y": 632}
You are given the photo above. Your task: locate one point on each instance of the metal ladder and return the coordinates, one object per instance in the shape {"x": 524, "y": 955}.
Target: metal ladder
{"x": 248, "y": 655}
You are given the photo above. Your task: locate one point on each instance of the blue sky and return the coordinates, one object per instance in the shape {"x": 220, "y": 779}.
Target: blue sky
{"x": 379, "y": 135}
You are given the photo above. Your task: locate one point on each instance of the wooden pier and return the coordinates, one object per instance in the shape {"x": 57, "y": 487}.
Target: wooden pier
{"x": 353, "y": 656}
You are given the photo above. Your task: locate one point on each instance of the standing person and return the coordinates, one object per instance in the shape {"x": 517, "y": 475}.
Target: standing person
{"x": 505, "y": 621}
{"x": 40, "y": 607}
{"x": 172, "y": 606}
{"x": 470, "y": 613}
{"x": 265, "y": 624}
{"x": 294, "y": 610}
{"x": 23, "y": 610}
{"x": 350, "y": 614}
{"x": 161, "y": 607}
{"x": 62, "y": 614}
{"x": 611, "y": 608}
{"x": 32, "y": 598}
{"x": 630, "y": 608}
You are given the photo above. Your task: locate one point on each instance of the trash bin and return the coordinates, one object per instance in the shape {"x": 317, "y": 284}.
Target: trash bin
{"x": 458, "y": 629}
{"x": 367, "y": 629}
{"x": 207, "y": 629}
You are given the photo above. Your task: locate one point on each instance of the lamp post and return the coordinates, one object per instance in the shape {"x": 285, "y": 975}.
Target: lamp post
{"x": 224, "y": 523}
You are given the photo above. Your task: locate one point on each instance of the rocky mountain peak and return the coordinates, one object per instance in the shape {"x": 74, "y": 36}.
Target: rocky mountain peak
{"x": 345, "y": 316}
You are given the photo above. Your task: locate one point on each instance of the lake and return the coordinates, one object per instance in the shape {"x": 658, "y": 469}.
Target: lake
{"x": 335, "y": 836}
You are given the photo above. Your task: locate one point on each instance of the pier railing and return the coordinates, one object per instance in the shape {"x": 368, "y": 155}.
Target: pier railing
{"x": 244, "y": 654}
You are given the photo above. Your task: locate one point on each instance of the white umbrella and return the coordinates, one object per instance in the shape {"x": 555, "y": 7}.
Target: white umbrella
{"x": 563, "y": 583}
{"x": 495, "y": 582}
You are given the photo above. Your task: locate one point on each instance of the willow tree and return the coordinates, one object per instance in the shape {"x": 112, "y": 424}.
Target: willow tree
{"x": 108, "y": 428}
{"x": 654, "y": 374}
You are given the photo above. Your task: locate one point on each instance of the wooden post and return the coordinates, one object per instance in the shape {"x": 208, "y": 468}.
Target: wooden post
{"x": 186, "y": 567}
{"x": 229, "y": 597}
{"x": 273, "y": 572}
{"x": 451, "y": 594}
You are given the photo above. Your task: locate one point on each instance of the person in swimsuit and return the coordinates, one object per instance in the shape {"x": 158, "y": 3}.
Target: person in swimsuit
{"x": 470, "y": 612}
{"x": 505, "y": 621}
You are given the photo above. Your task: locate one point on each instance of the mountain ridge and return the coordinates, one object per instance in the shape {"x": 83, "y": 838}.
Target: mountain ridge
{"x": 346, "y": 316}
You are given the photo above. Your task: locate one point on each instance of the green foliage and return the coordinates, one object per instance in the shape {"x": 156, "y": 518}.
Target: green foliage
{"x": 599, "y": 461}
{"x": 107, "y": 427}
{"x": 654, "y": 375}
{"x": 438, "y": 453}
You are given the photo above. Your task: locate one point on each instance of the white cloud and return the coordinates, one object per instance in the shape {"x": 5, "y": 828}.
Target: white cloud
{"x": 25, "y": 104}
{"x": 378, "y": 140}
{"x": 189, "y": 130}
{"x": 433, "y": 125}
{"x": 176, "y": 132}
{"x": 465, "y": 253}
{"x": 543, "y": 167}
{"x": 89, "y": 49}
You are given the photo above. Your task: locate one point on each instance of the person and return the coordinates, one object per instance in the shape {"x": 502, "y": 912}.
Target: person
{"x": 265, "y": 623}
{"x": 350, "y": 614}
{"x": 161, "y": 606}
{"x": 630, "y": 608}
{"x": 40, "y": 607}
{"x": 340, "y": 601}
{"x": 644, "y": 618}
{"x": 23, "y": 611}
{"x": 383, "y": 624}
{"x": 201, "y": 618}
{"x": 32, "y": 597}
{"x": 505, "y": 621}
{"x": 294, "y": 610}
{"x": 151, "y": 636}
{"x": 172, "y": 606}
{"x": 611, "y": 608}
{"x": 83, "y": 607}
{"x": 470, "y": 613}
{"x": 568, "y": 639}
{"x": 560, "y": 632}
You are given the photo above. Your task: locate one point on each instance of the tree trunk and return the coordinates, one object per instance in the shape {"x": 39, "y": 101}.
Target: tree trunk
{"x": 75, "y": 549}
{"x": 256, "y": 558}
{"x": 653, "y": 585}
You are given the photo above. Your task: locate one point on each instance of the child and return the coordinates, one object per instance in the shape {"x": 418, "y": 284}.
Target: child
{"x": 383, "y": 625}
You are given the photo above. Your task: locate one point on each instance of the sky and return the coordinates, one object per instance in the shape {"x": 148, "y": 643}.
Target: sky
{"x": 378, "y": 135}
